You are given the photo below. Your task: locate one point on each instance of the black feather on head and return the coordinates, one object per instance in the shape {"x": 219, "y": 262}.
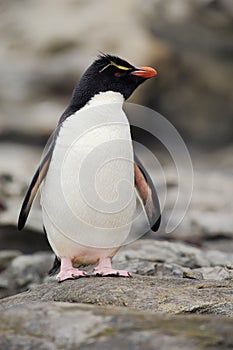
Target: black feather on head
{"x": 107, "y": 59}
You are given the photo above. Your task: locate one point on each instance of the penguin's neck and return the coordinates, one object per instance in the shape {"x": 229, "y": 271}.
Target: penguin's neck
{"x": 107, "y": 97}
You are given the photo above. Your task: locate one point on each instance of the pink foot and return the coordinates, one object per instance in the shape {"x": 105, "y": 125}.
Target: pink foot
{"x": 105, "y": 269}
{"x": 68, "y": 271}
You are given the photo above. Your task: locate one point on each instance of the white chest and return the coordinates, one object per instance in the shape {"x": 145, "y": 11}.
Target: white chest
{"x": 89, "y": 188}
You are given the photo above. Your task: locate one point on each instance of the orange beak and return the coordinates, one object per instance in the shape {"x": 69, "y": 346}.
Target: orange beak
{"x": 145, "y": 72}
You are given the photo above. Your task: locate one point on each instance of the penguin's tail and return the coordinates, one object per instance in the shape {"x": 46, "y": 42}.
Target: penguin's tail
{"x": 55, "y": 267}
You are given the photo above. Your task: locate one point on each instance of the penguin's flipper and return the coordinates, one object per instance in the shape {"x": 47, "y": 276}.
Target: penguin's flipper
{"x": 33, "y": 188}
{"x": 148, "y": 194}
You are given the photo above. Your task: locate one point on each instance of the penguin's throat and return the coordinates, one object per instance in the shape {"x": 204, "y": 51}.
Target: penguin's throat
{"x": 107, "y": 97}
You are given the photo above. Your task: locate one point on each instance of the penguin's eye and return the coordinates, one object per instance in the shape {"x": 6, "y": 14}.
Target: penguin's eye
{"x": 117, "y": 74}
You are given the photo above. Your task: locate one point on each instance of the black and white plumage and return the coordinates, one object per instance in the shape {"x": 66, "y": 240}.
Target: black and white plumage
{"x": 80, "y": 197}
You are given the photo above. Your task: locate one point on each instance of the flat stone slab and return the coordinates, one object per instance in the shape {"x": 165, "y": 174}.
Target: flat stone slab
{"x": 147, "y": 293}
{"x": 62, "y": 325}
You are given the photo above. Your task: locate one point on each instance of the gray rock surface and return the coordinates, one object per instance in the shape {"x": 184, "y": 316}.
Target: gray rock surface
{"x": 17, "y": 165}
{"x": 23, "y": 272}
{"x": 149, "y": 310}
{"x": 144, "y": 257}
{"x": 172, "y": 296}
{"x": 6, "y": 257}
{"x": 59, "y": 325}
{"x": 194, "y": 87}
{"x": 208, "y": 221}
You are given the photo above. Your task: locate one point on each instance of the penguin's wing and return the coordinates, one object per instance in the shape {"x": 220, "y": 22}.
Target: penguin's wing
{"x": 147, "y": 193}
{"x": 35, "y": 184}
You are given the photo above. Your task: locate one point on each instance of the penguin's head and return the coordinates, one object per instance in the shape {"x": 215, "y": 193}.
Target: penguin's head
{"x": 111, "y": 73}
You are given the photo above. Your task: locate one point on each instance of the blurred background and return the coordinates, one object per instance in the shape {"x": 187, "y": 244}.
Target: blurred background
{"x": 46, "y": 46}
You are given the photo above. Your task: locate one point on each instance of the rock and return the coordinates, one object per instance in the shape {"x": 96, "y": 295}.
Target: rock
{"x": 18, "y": 164}
{"x": 208, "y": 221}
{"x": 148, "y": 293}
{"x": 217, "y": 258}
{"x": 27, "y": 241}
{"x": 173, "y": 253}
{"x": 46, "y": 326}
{"x": 196, "y": 95}
{"x": 192, "y": 274}
{"x": 6, "y": 256}
{"x": 215, "y": 273}
{"x": 212, "y": 225}
{"x": 67, "y": 326}
{"x": 24, "y": 272}
{"x": 164, "y": 303}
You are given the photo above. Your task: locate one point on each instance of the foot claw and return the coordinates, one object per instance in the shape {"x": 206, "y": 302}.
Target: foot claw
{"x": 98, "y": 274}
{"x": 111, "y": 273}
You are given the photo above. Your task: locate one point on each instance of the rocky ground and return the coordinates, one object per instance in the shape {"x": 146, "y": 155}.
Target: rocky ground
{"x": 173, "y": 298}
{"x": 59, "y": 325}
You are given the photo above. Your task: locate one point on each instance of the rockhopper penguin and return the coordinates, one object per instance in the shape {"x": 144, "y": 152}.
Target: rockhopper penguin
{"x": 89, "y": 178}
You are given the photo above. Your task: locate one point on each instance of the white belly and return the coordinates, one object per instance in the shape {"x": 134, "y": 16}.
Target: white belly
{"x": 88, "y": 198}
